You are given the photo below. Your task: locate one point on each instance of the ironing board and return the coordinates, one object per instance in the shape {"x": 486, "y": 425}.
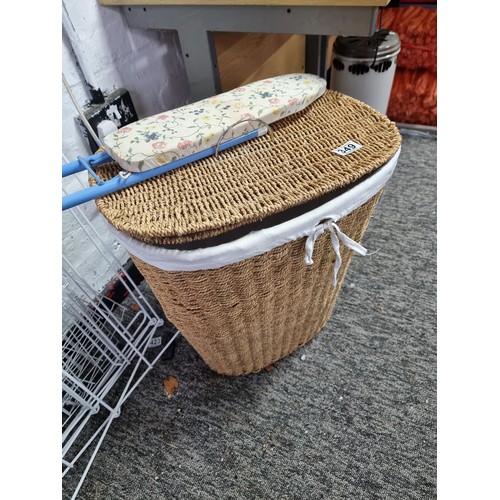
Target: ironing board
{"x": 169, "y": 136}
{"x": 165, "y": 141}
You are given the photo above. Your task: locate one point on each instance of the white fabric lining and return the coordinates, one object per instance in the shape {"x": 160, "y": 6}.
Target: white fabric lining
{"x": 263, "y": 240}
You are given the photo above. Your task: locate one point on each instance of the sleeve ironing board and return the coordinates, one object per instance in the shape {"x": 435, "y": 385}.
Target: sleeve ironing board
{"x": 159, "y": 143}
{"x": 165, "y": 137}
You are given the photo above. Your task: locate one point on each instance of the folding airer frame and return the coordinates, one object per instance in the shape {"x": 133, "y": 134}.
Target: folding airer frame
{"x": 107, "y": 349}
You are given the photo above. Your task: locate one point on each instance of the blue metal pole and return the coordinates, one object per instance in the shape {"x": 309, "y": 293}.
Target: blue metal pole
{"x": 118, "y": 182}
{"x": 75, "y": 166}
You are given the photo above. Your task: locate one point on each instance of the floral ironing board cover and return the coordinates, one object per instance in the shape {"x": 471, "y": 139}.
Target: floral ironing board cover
{"x": 181, "y": 132}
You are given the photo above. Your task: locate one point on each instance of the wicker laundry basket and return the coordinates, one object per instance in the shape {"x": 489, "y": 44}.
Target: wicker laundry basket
{"x": 243, "y": 309}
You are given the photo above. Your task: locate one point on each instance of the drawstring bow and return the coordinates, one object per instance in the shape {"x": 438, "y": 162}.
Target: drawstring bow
{"x": 336, "y": 235}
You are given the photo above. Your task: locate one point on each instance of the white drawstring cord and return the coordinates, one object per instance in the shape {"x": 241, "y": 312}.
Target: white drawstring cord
{"x": 335, "y": 234}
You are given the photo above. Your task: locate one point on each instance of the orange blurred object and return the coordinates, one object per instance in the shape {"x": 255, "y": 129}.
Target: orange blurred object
{"x": 414, "y": 97}
{"x": 414, "y": 90}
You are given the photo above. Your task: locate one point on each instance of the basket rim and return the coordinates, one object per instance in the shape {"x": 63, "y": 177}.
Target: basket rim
{"x": 261, "y": 241}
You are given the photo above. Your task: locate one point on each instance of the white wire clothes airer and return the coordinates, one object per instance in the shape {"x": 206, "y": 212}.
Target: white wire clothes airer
{"x": 106, "y": 350}
{"x": 107, "y": 346}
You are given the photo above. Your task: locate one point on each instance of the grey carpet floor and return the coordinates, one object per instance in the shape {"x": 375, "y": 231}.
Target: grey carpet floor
{"x": 351, "y": 415}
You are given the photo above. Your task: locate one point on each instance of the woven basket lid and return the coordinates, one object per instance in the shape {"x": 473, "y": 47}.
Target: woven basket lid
{"x": 258, "y": 180}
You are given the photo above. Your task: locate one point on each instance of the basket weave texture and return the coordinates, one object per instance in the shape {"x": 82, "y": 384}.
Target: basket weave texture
{"x": 243, "y": 317}
{"x": 257, "y": 179}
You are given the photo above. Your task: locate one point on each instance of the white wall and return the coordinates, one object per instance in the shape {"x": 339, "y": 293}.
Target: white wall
{"x": 148, "y": 63}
